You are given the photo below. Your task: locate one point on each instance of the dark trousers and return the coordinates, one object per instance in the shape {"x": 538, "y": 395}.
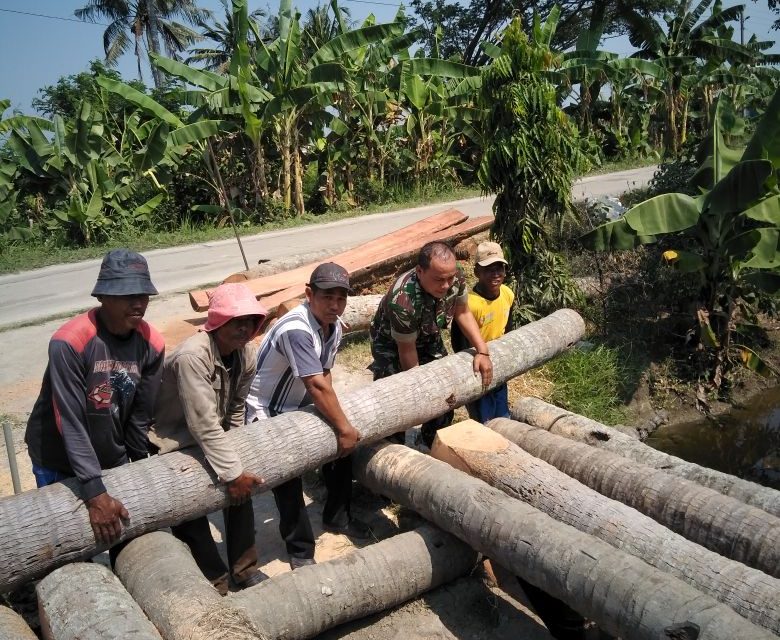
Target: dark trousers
{"x": 563, "y": 622}
{"x": 494, "y": 404}
{"x": 294, "y": 523}
{"x": 239, "y": 539}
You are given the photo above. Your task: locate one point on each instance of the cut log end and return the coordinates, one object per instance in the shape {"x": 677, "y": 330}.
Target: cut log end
{"x": 468, "y": 435}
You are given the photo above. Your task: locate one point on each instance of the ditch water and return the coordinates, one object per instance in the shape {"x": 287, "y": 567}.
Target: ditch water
{"x": 744, "y": 442}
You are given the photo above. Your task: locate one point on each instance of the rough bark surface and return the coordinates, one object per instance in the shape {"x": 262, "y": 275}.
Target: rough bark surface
{"x": 725, "y": 525}
{"x": 49, "y": 527}
{"x": 13, "y": 626}
{"x": 575, "y": 427}
{"x": 161, "y": 575}
{"x": 360, "y": 312}
{"x": 624, "y": 595}
{"x": 85, "y": 601}
{"x": 489, "y": 456}
{"x": 305, "y": 602}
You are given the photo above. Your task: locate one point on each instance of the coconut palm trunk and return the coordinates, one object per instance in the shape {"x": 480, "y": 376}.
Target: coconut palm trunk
{"x": 161, "y": 575}
{"x": 179, "y": 486}
{"x": 724, "y": 525}
{"x": 163, "y": 578}
{"x": 13, "y": 626}
{"x": 85, "y": 601}
{"x": 489, "y": 456}
{"x": 622, "y": 594}
{"x": 575, "y": 427}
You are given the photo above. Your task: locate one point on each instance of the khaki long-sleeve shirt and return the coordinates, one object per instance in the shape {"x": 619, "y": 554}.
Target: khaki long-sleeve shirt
{"x": 200, "y": 399}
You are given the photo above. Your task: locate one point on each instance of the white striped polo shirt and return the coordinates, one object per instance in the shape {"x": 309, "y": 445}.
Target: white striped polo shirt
{"x": 294, "y": 348}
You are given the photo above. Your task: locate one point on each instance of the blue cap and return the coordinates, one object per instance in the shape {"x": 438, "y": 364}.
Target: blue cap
{"x": 124, "y": 273}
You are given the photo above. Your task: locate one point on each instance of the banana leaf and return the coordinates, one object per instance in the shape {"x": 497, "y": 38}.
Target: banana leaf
{"x": 765, "y": 142}
{"x": 764, "y": 253}
{"x": 150, "y": 205}
{"x": 357, "y": 39}
{"x": 667, "y": 213}
{"x": 440, "y": 68}
{"x": 615, "y": 235}
{"x": 154, "y": 151}
{"x": 684, "y": 261}
{"x": 742, "y": 185}
{"x": 20, "y": 122}
{"x": 765, "y": 211}
{"x": 195, "y": 132}
{"x": 767, "y": 281}
{"x": 754, "y": 362}
{"x": 139, "y": 99}
{"x": 198, "y": 77}
{"x": 413, "y": 87}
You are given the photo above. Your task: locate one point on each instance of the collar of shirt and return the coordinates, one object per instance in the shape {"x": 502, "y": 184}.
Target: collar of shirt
{"x": 315, "y": 324}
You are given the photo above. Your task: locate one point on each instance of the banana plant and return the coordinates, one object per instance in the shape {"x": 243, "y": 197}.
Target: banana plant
{"x": 304, "y": 89}
{"x": 77, "y": 168}
{"x": 728, "y": 235}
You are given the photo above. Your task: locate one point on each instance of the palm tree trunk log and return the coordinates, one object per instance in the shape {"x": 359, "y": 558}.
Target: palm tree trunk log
{"x": 489, "y": 456}
{"x": 48, "y": 527}
{"x": 724, "y": 525}
{"x": 305, "y": 602}
{"x": 160, "y": 573}
{"x": 13, "y": 626}
{"x": 85, "y": 601}
{"x": 541, "y": 414}
{"x": 163, "y": 578}
{"x": 621, "y": 593}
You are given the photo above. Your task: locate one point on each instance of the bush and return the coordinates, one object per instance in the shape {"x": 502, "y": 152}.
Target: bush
{"x": 673, "y": 176}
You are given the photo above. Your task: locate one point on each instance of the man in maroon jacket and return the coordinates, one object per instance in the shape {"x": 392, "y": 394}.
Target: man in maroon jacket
{"x": 98, "y": 393}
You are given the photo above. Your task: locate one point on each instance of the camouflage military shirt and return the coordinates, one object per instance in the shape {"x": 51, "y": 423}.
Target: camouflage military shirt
{"x": 408, "y": 313}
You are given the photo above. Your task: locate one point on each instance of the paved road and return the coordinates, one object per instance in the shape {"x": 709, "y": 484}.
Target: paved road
{"x": 42, "y": 293}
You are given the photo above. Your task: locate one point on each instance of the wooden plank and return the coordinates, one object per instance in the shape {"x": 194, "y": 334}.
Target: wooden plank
{"x": 384, "y": 246}
{"x": 453, "y": 234}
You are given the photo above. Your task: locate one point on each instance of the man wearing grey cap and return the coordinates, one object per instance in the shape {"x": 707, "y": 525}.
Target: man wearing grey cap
{"x": 293, "y": 370}
{"x": 97, "y": 397}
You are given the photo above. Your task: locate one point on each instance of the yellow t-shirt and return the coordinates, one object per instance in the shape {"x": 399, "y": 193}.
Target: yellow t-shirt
{"x": 492, "y": 315}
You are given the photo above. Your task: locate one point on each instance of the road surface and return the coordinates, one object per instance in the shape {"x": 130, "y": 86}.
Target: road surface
{"x": 60, "y": 289}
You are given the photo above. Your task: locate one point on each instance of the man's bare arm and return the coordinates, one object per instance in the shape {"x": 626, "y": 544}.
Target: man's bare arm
{"x": 320, "y": 388}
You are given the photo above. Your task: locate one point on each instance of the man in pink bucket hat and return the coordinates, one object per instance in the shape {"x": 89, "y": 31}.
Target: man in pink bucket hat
{"x": 203, "y": 392}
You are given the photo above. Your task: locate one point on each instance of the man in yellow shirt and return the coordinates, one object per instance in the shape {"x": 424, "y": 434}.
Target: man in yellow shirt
{"x": 490, "y": 302}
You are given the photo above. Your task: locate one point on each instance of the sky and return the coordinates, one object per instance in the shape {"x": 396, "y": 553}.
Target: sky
{"x": 37, "y": 51}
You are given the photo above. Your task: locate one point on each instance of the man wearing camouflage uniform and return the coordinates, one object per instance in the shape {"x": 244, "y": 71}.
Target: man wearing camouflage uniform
{"x": 406, "y": 330}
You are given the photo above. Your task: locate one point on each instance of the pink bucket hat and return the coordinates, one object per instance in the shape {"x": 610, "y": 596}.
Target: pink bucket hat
{"x": 232, "y": 300}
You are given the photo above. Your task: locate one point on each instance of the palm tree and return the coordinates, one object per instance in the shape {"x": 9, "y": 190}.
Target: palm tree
{"x": 133, "y": 21}
{"x": 224, "y": 36}
{"x": 320, "y": 27}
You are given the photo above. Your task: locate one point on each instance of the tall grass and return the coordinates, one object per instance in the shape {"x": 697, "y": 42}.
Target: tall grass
{"x": 589, "y": 381}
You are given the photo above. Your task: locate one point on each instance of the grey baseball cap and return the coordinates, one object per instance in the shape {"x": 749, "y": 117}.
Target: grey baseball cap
{"x": 124, "y": 273}
{"x": 330, "y": 275}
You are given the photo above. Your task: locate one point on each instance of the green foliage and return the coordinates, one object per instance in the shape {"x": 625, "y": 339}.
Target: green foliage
{"x": 529, "y": 161}
{"x": 727, "y": 236}
{"x": 588, "y": 381}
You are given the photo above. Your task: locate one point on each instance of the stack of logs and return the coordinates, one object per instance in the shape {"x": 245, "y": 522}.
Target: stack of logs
{"x": 646, "y": 545}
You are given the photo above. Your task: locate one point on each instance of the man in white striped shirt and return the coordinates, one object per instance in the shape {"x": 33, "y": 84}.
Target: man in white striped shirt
{"x": 293, "y": 371}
